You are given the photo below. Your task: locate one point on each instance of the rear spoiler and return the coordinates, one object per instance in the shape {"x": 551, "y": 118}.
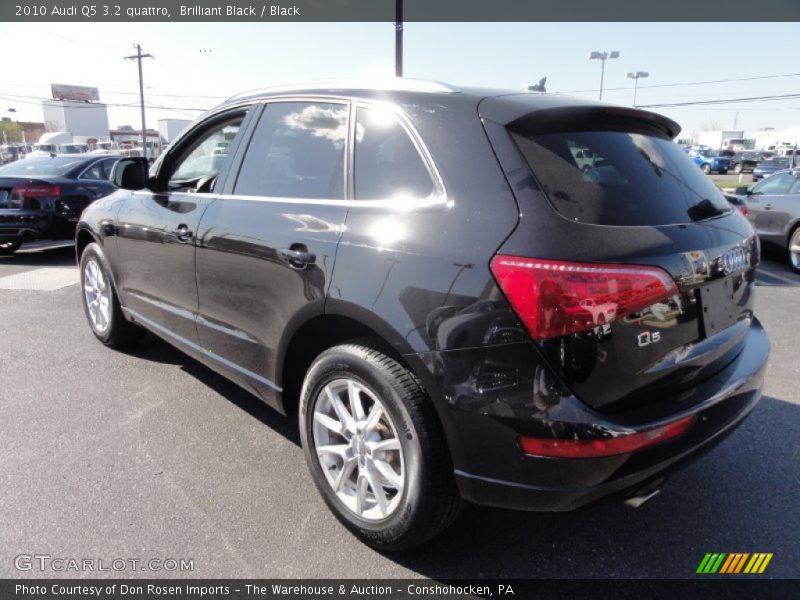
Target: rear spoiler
{"x": 535, "y": 113}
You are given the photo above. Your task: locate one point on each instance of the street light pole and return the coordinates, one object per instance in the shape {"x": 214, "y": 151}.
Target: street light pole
{"x": 138, "y": 57}
{"x": 636, "y": 76}
{"x": 398, "y": 38}
{"x": 603, "y": 57}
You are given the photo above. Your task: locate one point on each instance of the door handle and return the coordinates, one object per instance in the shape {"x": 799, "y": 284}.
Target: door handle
{"x": 183, "y": 233}
{"x": 298, "y": 259}
{"x": 767, "y": 206}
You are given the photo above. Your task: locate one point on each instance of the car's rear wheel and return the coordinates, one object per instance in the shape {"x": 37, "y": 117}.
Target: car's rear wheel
{"x": 375, "y": 448}
{"x": 737, "y": 169}
{"x": 100, "y": 303}
{"x": 706, "y": 169}
{"x": 8, "y": 248}
{"x": 794, "y": 249}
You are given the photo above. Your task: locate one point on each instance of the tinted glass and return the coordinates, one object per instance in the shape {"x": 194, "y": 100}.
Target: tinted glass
{"x": 297, "y": 151}
{"x": 630, "y": 179}
{"x": 775, "y": 184}
{"x": 199, "y": 161}
{"x": 39, "y": 167}
{"x": 387, "y": 163}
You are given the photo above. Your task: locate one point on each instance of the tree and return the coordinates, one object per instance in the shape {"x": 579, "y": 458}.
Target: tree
{"x": 10, "y": 131}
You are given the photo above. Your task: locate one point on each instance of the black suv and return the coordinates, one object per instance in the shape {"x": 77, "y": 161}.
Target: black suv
{"x": 456, "y": 307}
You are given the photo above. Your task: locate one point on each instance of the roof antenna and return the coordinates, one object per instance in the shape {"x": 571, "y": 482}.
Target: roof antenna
{"x": 539, "y": 87}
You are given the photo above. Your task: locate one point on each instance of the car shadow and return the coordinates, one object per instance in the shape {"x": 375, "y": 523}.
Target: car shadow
{"x": 154, "y": 349}
{"x": 740, "y": 497}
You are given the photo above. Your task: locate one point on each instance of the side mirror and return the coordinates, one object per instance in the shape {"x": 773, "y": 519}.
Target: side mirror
{"x": 130, "y": 173}
{"x": 742, "y": 191}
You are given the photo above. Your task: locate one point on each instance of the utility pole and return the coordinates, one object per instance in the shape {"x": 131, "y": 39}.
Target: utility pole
{"x": 138, "y": 57}
{"x": 398, "y": 38}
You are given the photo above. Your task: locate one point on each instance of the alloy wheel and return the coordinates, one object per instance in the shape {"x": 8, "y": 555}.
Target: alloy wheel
{"x": 356, "y": 444}
{"x": 97, "y": 296}
{"x": 794, "y": 249}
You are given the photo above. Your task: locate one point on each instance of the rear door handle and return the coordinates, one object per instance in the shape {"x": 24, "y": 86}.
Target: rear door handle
{"x": 298, "y": 259}
{"x": 768, "y": 206}
{"x": 183, "y": 233}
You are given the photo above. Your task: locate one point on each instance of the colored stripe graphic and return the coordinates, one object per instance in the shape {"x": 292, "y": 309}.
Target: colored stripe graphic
{"x": 722, "y": 563}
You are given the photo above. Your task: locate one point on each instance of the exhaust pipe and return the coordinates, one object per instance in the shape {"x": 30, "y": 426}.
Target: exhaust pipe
{"x": 649, "y": 491}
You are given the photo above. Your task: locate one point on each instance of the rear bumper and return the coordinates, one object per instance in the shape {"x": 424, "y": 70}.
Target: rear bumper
{"x": 491, "y": 469}
{"x": 32, "y": 225}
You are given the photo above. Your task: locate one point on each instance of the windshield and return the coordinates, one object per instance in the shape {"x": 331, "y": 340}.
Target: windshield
{"x": 39, "y": 167}
{"x": 630, "y": 179}
{"x": 776, "y": 162}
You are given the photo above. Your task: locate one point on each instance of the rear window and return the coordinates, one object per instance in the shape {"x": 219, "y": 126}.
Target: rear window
{"x": 620, "y": 177}
{"x": 39, "y": 167}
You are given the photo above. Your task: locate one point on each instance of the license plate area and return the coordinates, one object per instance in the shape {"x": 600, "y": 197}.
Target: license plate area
{"x": 718, "y": 306}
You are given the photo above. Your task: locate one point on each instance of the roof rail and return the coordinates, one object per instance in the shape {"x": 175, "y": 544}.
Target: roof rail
{"x": 383, "y": 83}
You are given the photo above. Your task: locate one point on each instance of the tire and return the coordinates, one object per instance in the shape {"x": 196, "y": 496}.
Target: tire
{"x": 738, "y": 169}
{"x": 108, "y": 325}
{"x": 9, "y": 248}
{"x": 420, "y": 498}
{"x": 794, "y": 242}
{"x": 706, "y": 169}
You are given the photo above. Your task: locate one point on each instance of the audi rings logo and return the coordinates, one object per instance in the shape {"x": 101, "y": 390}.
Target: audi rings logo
{"x": 734, "y": 260}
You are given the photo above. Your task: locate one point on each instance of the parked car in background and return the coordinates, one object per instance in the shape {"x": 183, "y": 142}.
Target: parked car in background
{"x": 450, "y": 302}
{"x": 745, "y": 162}
{"x": 10, "y": 153}
{"x": 774, "y": 210}
{"x": 710, "y": 161}
{"x": 73, "y": 148}
{"x": 771, "y": 165}
{"x": 42, "y": 198}
{"x": 42, "y": 151}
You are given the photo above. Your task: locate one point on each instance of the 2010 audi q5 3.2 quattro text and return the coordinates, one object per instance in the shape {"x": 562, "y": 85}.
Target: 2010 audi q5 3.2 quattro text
{"x": 454, "y": 304}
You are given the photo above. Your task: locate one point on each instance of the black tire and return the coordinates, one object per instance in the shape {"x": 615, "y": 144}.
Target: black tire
{"x": 8, "y": 248}
{"x": 119, "y": 330}
{"x": 706, "y": 169}
{"x": 794, "y": 258}
{"x": 429, "y": 501}
{"x": 738, "y": 169}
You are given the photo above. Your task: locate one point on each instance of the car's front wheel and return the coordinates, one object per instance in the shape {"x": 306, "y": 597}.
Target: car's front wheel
{"x": 794, "y": 249}
{"x": 706, "y": 169}
{"x": 100, "y": 303}
{"x": 375, "y": 448}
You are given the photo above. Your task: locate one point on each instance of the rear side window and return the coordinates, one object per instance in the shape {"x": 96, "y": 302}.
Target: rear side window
{"x": 620, "y": 178}
{"x": 387, "y": 162}
{"x": 297, "y": 151}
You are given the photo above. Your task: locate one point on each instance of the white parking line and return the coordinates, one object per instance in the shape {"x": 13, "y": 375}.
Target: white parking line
{"x": 46, "y": 279}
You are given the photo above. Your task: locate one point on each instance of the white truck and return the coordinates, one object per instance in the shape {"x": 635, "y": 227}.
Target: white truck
{"x": 721, "y": 140}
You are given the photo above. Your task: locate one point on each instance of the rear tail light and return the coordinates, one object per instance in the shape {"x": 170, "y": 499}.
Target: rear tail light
{"x": 621, "y": 444}
{"x": 742, "y": 209}
{"x": 35, "y": 196}
{"x": 555, "y": 298}
{"x": 36, "y": 191}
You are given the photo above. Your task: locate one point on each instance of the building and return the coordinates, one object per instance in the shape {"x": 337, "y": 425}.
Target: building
{"x": 82, "y": 119}
{"x": 769, "y": 137}
{"x": 171, "y": 128}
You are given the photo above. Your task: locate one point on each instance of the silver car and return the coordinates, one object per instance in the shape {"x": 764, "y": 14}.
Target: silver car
{"x": 774, "y": 210}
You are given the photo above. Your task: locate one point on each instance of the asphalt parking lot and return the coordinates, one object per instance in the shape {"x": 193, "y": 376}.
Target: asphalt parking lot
{"x": 146, "y": 453}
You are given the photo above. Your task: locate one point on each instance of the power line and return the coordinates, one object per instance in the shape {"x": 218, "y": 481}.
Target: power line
{"x": 722, "y": 101}
{"x": 688, "y": 83}
{"x": 36, "y": 101}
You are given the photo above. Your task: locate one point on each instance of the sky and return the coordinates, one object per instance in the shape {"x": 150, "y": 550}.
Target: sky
{"x": 197, "y": 65}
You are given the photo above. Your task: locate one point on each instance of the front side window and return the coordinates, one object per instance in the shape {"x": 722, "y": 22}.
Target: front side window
{"x": 774, "y": 185}
{"x": 198, "y": 166}
{"x": 297, "y": 151}
{"x": 387, "y": 162}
